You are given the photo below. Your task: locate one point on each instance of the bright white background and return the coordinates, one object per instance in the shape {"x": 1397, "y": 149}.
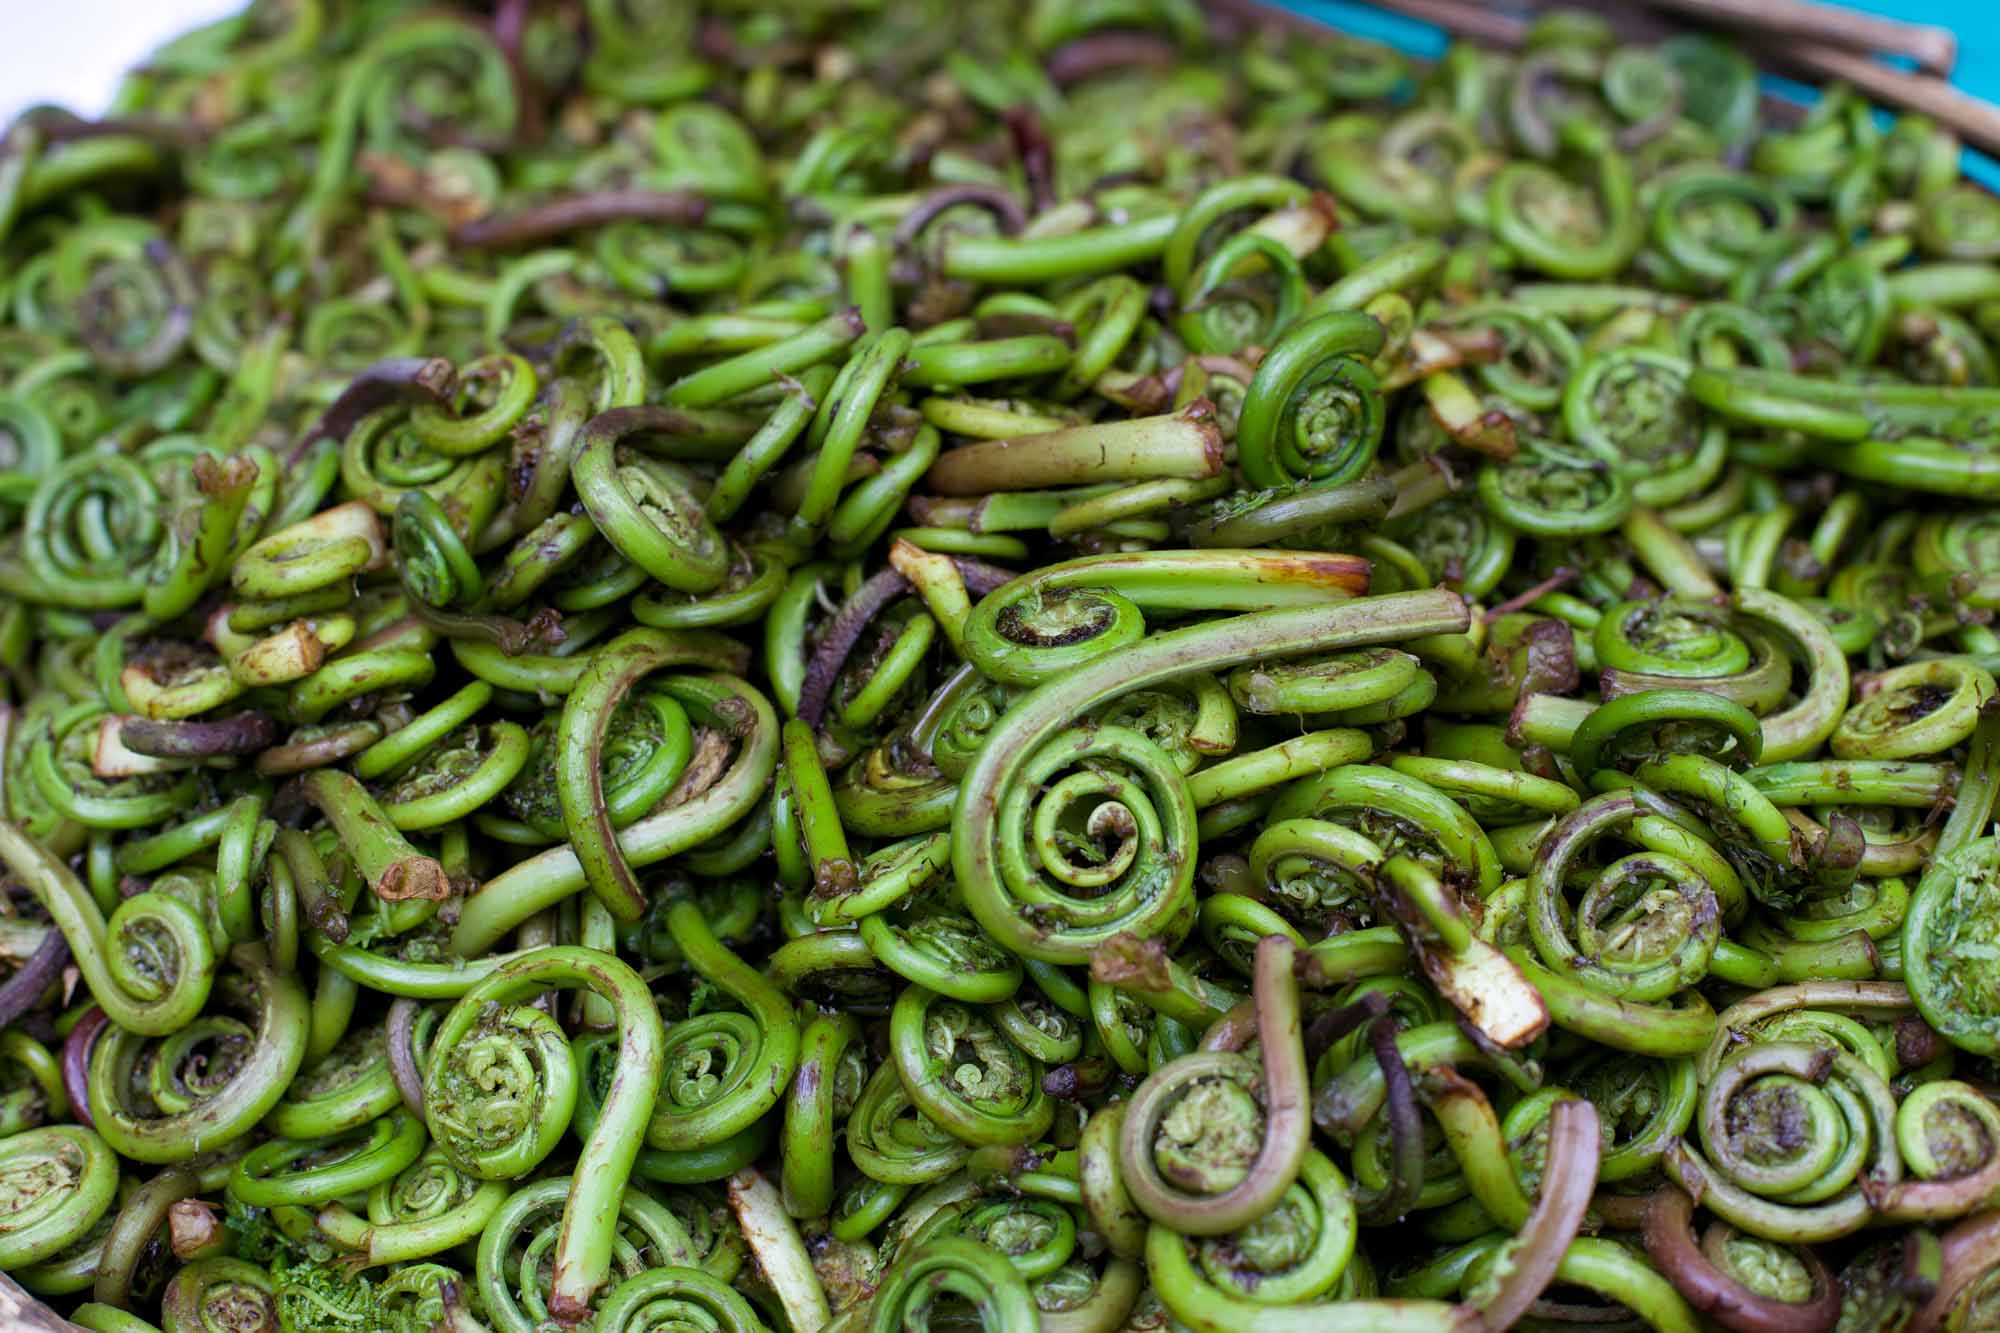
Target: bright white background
{"x": 72, "y": 52}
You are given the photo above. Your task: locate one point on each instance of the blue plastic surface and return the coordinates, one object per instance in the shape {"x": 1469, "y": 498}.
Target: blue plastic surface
{"x": 1978, "y": 69}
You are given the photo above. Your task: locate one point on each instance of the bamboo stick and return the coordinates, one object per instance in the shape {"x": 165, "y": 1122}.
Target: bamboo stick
{"x": 1934, "y": 49}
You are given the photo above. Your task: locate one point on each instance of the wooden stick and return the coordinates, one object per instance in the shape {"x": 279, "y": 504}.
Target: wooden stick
{"x": 1975, "y": 121}
{"x": 19, "y": 1310}
{"x": 1460, "y": 18}
{"x": 1933, "y": 49}
{"x": 1463, "y": 19}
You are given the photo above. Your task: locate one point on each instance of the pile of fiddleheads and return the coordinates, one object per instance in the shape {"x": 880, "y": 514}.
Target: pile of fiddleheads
{"x": 909, "y": 665}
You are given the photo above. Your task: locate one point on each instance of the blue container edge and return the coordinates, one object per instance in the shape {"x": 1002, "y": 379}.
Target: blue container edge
{"x": 1978, "y": 71}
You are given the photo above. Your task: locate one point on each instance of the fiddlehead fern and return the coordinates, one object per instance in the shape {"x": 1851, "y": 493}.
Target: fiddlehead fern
{"x": 225, "y": 1076}
{"x": 520, "y": 1267}
{"x": 583, "y": 1254}
{"x": 1787, "y": 1131}
{"x": 1314, "y": 411}
{"x": 964, "y": 1073}
{"x": 151, "y": 965}
{"x": 220, "y": 1293}
{"x": 1942, "y": 930}
{"x": 1190, "y": 1145}
{"x": 992, "y": 877}
{"x": 58, "y": 1180}
{"x": 976, "y": 1274}
{"x": 723, "y": 1070}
